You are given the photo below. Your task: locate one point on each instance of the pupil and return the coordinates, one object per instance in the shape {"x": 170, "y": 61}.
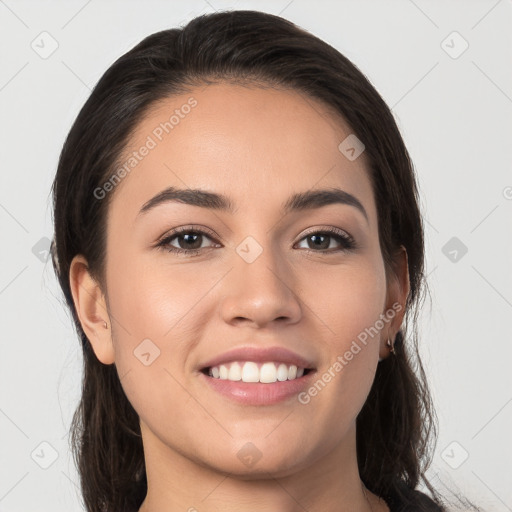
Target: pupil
{"x": 189, "y": 235}
{"x": 317, "y": 237}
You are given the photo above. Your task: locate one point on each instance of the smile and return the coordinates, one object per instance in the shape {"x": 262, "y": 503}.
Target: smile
{"x": 250, "y": 371}
{"x": 257, "y": 384}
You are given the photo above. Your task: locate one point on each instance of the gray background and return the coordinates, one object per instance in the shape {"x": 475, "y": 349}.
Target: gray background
{"x": 454, "y": 109}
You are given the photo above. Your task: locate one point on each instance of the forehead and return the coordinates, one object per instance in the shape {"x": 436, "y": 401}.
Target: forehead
{"x": 255, "y": 145}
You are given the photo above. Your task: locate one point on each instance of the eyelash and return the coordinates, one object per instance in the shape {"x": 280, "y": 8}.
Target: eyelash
{"x": 346, "y": 240}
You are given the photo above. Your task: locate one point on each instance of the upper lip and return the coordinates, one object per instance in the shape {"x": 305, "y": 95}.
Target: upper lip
{"x": 259, "y": 354}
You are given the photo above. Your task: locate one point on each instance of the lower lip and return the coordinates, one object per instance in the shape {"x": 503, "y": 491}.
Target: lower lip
{"x": 257, "y": 393}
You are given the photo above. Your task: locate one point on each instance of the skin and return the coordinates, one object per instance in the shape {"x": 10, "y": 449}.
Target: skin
{"x": 257, "y": 146}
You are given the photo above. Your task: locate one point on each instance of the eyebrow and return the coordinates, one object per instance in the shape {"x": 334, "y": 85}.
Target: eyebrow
{"x": 300, "y": 201}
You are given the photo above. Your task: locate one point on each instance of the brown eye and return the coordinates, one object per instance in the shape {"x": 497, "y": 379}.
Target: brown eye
{"x": 321, "y": 241}
{"x": 189, "y": 241}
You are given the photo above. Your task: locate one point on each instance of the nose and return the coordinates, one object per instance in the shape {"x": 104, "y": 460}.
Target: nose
{"x": 260, "y": 292}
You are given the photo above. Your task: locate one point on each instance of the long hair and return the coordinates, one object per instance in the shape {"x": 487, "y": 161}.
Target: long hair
{"x": 396, "y": 427}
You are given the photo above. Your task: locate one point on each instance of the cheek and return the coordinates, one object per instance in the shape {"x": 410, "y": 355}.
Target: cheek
{"x": 148, "y": 299}
{"x": 151, "y": 340}
{"x": 146, "y": 312}
{"x": 157, "y": 319}
{"x": 347, "y": 299}
{"x": 349, "y": 308}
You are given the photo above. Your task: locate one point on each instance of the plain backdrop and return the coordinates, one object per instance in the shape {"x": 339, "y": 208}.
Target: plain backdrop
{"x": 444, "y": 67}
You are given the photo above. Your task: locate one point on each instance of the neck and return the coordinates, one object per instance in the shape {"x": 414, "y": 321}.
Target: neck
{"x": 329, "y": 483}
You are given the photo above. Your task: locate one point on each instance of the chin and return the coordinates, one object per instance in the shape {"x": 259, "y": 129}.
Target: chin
{"x": 248, "y": 462}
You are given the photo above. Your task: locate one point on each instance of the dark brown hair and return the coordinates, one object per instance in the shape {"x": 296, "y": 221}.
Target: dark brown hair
{"x": 396, "y": 427}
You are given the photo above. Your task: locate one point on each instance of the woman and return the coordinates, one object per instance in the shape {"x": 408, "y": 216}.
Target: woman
{"x": 238, "y": 238}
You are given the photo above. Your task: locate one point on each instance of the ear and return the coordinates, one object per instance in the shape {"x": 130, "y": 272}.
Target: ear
{"x": 91, "y": 308}
{"x": 398, "y": 287}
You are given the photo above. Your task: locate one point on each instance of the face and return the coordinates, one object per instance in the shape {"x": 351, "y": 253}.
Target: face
{"x": 284, "y": 287}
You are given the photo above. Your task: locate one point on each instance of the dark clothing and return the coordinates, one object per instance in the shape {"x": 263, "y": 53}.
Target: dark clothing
{"x": 414, "y": 501}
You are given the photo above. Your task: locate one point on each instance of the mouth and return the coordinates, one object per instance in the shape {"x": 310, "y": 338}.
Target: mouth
{"x": 258, "y": 376}
{"x": 251, "y": 383}
{"x": 256, "y": 372}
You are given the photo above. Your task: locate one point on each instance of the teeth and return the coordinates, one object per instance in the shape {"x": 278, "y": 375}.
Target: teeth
{"x": 235, "y": 372}
{"x": 268, "y": 373}
{"x": 223, "y": 372}
{"x": 249, "y": 371}
{"x": 282, "y": 372}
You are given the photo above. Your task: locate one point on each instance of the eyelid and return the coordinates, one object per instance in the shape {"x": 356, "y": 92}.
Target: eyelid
{"x": 186, "y": 229}
{"x": 328, "y": 229}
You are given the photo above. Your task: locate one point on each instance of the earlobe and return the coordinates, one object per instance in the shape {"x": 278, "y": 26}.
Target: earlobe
{"x": 397, "y": 293}
{"x": 91, "y": 309}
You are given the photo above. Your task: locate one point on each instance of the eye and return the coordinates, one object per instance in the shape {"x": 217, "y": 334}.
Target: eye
{"x": 190, "y": 239}
{"x": 321, "y": 240}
